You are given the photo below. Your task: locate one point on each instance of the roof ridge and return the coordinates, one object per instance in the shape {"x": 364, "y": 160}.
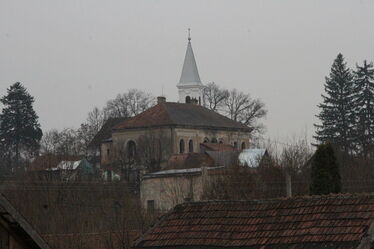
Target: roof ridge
{"x": 273, "y": 200}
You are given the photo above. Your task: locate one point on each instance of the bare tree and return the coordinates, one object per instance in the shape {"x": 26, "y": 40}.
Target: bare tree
{"x": 214, "y": 96}
{"x": 153, "y": 149}
{"x": 65, "y": 142}
{"x": 242, "y": 108}
{"x": 129, "y": 104}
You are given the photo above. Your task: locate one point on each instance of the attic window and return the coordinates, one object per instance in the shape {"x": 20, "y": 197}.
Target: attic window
{"x": 150, "y": 206}
{"x": 243, "y": 145}
{"x": 181, "y": 146}
{"x": 190, "y": 146}
{"x": 131, "y": 149}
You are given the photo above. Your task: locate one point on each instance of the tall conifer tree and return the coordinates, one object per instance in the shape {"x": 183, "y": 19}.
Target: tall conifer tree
{"x": 336, "y": 110}
{"x": 364, "y": 107}
{"x": 19, "y": 128}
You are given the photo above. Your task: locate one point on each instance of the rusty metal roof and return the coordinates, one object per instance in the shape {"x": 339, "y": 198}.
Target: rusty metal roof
{"x": 181, "y": 115}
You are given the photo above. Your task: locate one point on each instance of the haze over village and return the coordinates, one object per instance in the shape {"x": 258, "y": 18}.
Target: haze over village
{"x": 186, "y": 124}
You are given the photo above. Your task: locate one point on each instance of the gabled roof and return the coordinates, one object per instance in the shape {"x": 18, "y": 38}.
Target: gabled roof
{"x": 190, "y": 75}
{"x": 19, "y": 226}
{"x": 335, "y": 221}
{"x": 105, "y": 132}
{"x": 182, "y": 115}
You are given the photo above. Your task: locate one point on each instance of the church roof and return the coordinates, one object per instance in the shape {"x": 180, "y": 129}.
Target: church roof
{"x": 190, "y": 74}
{"x": 105, "y": 132}
{"x": 181, "y": 115}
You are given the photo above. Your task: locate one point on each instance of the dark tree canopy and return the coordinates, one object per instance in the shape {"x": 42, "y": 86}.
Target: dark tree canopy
{"x": 20, "y": 130}
{"x": 336, "y": 115}
{"x": 364, "y": 108}
{"x": 325, "y": 177}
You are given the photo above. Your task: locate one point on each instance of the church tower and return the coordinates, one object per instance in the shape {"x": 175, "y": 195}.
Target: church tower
{"x": 190, "y": 87}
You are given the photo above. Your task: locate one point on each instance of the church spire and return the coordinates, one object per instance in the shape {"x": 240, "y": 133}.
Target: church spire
{"x": 190, "y": 74}
{"x": 190, "y": 86}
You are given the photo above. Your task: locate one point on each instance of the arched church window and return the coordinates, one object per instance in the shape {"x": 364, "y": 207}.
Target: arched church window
{"x": 188, "y": 99}
{"x": 243, "y": 145}
{"x": 131, "y": 150}
{"x": 190, "y": 146}
{"x": 214, "y": 140}
{"x": 181, "y": 146}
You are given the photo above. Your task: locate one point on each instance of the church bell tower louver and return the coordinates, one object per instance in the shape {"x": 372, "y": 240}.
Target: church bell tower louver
{"x": 190, "y": 87}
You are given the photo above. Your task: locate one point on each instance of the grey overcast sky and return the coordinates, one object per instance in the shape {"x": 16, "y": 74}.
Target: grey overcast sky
{"x": 73, "y": 55}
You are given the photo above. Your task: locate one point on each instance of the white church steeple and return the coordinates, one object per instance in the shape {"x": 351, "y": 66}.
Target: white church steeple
{"x": 190, "y": 86}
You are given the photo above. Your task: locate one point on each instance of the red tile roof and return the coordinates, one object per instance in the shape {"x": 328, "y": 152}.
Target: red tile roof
{"x": 218, "y": 147}
{"x": 178, "y": 114}
{"x": 337, "y": 221}
{"x": 189, "y": 161}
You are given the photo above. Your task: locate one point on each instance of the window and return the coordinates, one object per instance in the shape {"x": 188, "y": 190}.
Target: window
{"x": 243, "y": 145}
{"x": 235, "y": 145}
{"x": 221, "y": 141}
{"x": 190, "y": 146}
{"x": 150, "y": 206}
{"x": 206, "y": 140}
{"x": 107, "y": 152}
{"x": 188, "y": 99}
{"x": 131, "y": 150}
{"x": 181, "y": 146}
{"x": 214, "y": 140}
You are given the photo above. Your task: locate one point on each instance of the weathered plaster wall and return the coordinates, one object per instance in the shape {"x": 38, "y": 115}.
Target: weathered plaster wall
{"x": 166, "y": 192}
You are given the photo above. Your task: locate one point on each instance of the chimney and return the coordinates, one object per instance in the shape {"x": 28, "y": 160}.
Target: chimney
{"x": 161, "y": 99}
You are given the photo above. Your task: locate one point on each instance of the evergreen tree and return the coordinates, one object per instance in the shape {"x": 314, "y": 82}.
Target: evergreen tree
{"x": 364, "y": 107}
{"x": 325, "y": 171}
{"x": 20, "y": 131}
{"x": 336, "y": 110}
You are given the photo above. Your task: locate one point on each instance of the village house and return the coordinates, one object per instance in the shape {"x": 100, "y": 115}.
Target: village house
{"x": 190, "y": 176}
{"x": 334, "y": 221}
{"x": 61, "y": 167}
{"x": 15, "y": 231}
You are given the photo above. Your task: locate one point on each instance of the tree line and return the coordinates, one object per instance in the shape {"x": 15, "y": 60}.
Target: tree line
{"x": 347, "y": 110}
{"x": 21, "y": 137}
